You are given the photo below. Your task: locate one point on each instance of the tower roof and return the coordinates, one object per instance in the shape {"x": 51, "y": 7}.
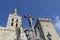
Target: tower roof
{"x": 44, "y": 19}
{"x": 15, "y": 11}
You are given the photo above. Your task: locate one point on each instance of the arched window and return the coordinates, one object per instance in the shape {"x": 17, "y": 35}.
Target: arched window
{"x": 12, "y": 19}
{"x": 17, "y": 20}
{"x": 47, "y": 25}
{"x": 16, "y": 24}
{"x": 12, "y": 24}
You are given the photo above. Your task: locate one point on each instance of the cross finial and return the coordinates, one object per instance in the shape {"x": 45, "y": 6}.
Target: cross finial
{"x": 15, "y": 11}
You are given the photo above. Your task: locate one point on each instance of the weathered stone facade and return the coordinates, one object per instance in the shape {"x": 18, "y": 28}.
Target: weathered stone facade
{"x": 43, "y": 29}
{"x": 13, "y": 30}
{"x": 46, "y": 29}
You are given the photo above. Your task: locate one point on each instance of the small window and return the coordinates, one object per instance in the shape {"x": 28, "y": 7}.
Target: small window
{"x": 47, "y": 25}
{"x": 12, "y": 19}
{"x": 12, "y": 24}
{"x": 16, "y": 24}
{"x": 17, "y": 20}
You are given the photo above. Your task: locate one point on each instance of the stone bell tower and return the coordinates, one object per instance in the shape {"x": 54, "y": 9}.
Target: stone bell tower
{"x": 14, "y": 24}
{"x": 46, "y": 29}
{"x": 13, "y": 20}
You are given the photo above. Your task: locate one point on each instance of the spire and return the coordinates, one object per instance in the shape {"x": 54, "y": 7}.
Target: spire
{"x": 15, "y": 11}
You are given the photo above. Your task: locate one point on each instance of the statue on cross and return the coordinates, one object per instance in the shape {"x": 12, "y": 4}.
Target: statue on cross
{"x": 31, "y": 32}
{"x": 30, "y": 18}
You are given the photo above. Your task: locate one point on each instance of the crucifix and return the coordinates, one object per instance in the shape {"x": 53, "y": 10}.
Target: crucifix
{"x": 31, "y": 32}
{"x": 30, "y": 18}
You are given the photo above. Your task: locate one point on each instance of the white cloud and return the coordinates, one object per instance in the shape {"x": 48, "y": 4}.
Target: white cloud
{"x": 59, "y": 33}
{"x": 57, "y": 18}
{"x": 57, "y": 24}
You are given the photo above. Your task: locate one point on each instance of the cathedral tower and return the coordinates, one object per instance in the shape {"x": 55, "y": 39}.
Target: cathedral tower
{"x": 46, "y": 29}
{"x": 13, "y": 21}
{"x": 14, "y": 24}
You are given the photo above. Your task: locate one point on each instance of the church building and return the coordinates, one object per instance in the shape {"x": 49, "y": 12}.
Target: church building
{"x": 13, "y": 29}
{"x": 43, "y": 29}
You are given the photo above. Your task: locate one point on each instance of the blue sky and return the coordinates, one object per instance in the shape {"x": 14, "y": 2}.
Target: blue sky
{"x": 37, "y": 8}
